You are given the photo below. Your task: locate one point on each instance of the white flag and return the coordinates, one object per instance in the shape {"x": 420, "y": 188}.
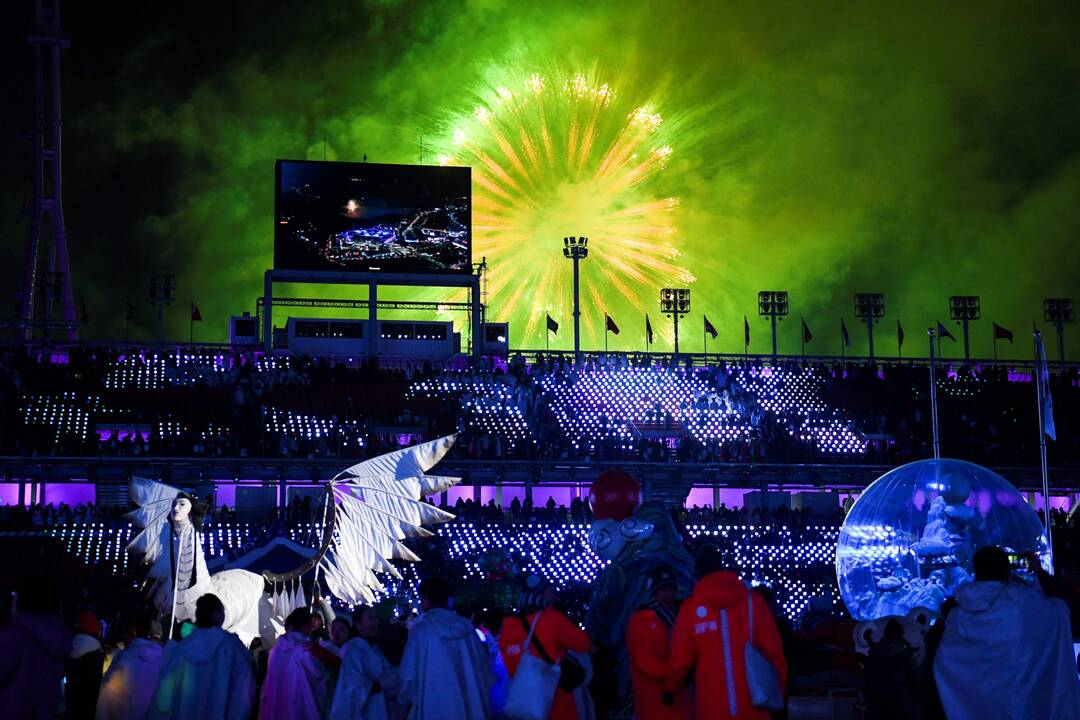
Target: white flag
{"x": 1044, "y": 387}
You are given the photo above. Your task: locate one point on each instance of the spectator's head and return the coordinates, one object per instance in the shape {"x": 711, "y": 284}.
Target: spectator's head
{"x": 894, "y": 630}
{"x": 339, "y": 631}
{"x": 300, "y": 620}
{"x": 365, "y": 622}
{"x": 663, "y": 586}
{"x": 209, "y": 612}
{"x": 991, "y": 563}
{"x": 708, "y": 560}
{"x": 143, "y": 624}
{"x": 434, "y": 593}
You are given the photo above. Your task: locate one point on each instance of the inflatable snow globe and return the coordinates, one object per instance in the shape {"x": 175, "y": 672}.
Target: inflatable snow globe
{"x": 909, "y": 539}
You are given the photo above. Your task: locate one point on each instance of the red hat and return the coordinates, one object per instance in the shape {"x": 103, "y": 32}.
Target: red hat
{"x": 89, "y": 624}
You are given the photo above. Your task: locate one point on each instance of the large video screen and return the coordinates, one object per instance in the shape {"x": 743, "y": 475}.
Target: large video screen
{"x": 371, "y": 217}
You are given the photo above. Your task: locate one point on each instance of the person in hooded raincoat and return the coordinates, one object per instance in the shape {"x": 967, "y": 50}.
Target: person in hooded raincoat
{"x": 33, "y": 647}
{"x": 710, "y": 634}
{"x": 648, "y": 642}
{"x": 298, "y": 684}
{"x": 208, "y": 674}
{"x": 1006, "y": 651}
{"x": 555, "y": 633}
{"x": 128, "y": 686}
{"x": 445, "y": 671}
{"x": 366, "y": 676}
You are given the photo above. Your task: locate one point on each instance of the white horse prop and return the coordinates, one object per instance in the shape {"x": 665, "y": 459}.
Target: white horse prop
{"x": 371, "y": 508}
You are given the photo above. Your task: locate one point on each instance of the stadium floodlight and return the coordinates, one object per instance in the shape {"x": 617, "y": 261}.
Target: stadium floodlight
{"x": 576, "y": 249}
{"x": 1059, "y": 311}
{"x": 870, "y": 307}
{"x": 773, "y": 304}
{"x": 965, "y": 309}
{"x": 161, "y": 293}
{"x": 673, "y": 303}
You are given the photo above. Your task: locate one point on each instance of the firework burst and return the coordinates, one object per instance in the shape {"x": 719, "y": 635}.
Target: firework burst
{"x": 556, "y": 154}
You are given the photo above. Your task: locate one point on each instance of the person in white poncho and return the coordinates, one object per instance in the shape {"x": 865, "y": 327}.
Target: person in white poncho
{"x": 366, "y": 677}
{"x": 445, "y": 671}
{"x": 1006, "y": 651}
{"x": 128, "y": 687}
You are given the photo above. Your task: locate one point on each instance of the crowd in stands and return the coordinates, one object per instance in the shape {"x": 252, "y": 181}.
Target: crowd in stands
{"x": 105, "y": 401}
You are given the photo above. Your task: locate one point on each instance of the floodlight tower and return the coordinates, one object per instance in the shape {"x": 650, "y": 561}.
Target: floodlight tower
{"x": 161, "y": 292}
{"x": 47, "y": 241}
{"x": 965, "y": 309}
{"x": 576, "y": 249}
{"x": 675, "y": 302}
{"x": 773, "y": 304}
{"x": 1059, "y": 311}
{"x": 870, "y": 307}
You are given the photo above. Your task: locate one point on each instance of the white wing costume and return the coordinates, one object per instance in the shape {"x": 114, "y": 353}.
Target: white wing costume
{"x": 377, "y": 504}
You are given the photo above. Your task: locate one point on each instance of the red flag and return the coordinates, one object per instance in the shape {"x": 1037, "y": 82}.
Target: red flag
{"x": 1001, "y": 333}
{"x": 709, "y": 327}
{"x": 746, "y": 331}
{"x": 552, "y": 326}
{"x": 609, "y": 325}
{"x": 844, "y": 334}
{"x": 132, "y": 311}
{"x": 899, "y": 335}
{"x": 943, "y": 331}
{"x": 648, "y": 330}
{"x": 807, "y": 336}
{"x": 196, "y": 316}
{"x": 84, "y": 316}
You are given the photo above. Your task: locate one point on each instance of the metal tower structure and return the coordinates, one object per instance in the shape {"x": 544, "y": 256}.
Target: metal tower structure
{"x": 47, "y": 270}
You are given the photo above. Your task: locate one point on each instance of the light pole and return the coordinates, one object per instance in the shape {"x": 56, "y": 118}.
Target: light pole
{"x": 675, "y": 302}
{"x": 870, "y": 307}
{"x": 576, "y": 249}
{"x": 162, "y": 292}
{"x": 1059, "y": 311}
{"x": 965, "y": 308}
{"x": 773, "y": 304}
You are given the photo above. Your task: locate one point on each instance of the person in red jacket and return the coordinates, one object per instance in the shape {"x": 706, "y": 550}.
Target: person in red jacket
{"x": 556, "y": 634}
{"x": 710, "y": 634}
{"x": 648, "y": 642}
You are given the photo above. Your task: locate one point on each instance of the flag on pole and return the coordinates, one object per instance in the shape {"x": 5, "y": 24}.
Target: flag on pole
{"x": 132, "y": 311}
{"x": 943, "y": 331}
{"x": 1001, "y": 333}
{"x": 84, "y": 317}
{"x": 746, "y": 331}
{"x": 709, "y": 327}
{"x": 1044, "y": 388}
{"x": 609, "y": 325}
{"x": 899, "y": 335}
{"x": 807, "y": 336}
{"x": 196, "y": 316}
{"x": 844, "y": 334}
{"x": 648, "y": 330}
{"x": 552, "y": 326}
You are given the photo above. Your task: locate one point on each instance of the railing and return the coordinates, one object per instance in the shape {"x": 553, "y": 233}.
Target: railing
{"x": 655, "y": 477}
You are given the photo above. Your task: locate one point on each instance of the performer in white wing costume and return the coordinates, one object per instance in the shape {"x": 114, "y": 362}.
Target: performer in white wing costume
{"x": 377, "y": 504}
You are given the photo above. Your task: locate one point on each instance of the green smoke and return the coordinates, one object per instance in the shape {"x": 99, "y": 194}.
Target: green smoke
{"x": 829, "y": 149}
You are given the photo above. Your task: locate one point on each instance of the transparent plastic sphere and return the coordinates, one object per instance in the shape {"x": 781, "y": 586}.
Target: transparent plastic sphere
{"x": 909, "y": 539}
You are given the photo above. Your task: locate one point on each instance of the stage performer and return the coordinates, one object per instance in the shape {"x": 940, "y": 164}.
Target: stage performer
{"x": 555, "y": 634}
{"x": 128, "y": 687}
{"x": 445, "y": 671}
{"x": 711, "y": 631}
{"x": 648, "y": 640}
{"x": 298, "y": 683}
{"x": 208, "y": 674}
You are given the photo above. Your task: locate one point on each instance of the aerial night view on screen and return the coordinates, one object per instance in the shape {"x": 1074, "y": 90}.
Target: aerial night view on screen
{"x": 372, "y": 217}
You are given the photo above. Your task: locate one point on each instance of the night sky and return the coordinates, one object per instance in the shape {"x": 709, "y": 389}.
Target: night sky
{"x": 823, "y": 148}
